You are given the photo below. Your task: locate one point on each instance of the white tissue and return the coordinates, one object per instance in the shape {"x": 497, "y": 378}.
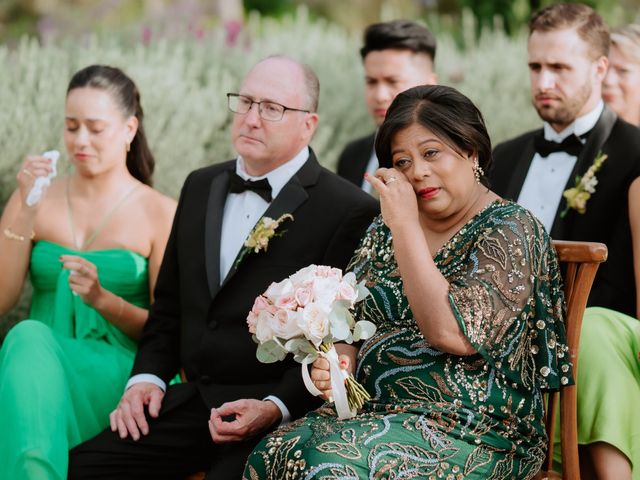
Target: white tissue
{"x": 41, "y": 182}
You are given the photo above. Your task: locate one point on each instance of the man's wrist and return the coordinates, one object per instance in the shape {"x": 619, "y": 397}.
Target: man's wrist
{"x": 285, "y": 415}
{"x": 273, "y": 411}
{"x": 146, "y": 377}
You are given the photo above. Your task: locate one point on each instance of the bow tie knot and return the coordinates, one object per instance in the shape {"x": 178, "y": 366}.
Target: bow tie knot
{"x": 572, "y": 145}
{"x": 239, "y": 185}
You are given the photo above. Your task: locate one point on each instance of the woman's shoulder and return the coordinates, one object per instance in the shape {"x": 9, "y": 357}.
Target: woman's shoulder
{"x": 516, "y": 216}
{"x": 156, "y": 204}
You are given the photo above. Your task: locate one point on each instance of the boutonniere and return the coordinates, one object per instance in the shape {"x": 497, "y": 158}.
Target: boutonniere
{"x": 259, "y": 237}
{"x": 585, "y": 186}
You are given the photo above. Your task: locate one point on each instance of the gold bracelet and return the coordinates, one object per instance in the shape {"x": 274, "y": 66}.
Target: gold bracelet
{"x": 120, "y": 309}
{"x": 11, "y": 235}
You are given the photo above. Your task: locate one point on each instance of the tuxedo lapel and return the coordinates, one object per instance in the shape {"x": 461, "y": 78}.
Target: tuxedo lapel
{"x": 596, "y": 140}
{"x": 292, "y": 195}
{"x": 521, "y": 168}
{"x": 213, "y": 229}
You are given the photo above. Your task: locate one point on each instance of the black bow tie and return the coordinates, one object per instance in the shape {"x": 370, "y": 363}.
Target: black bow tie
{"x": 571, "y": 145}
{"x": 239, "y": 185}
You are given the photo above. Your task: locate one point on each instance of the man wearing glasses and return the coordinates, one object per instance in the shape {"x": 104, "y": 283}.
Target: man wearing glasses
{"x": 207, "y": 286}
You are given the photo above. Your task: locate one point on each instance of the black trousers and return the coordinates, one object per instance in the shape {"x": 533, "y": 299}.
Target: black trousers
{"x": 178, "y": 444}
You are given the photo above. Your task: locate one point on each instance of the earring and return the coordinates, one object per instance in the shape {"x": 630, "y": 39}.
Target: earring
{"x": 478, "y": 172}
{"x": 128, "y": 147}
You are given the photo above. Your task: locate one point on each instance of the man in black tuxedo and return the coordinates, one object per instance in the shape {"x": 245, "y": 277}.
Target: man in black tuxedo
{"x": 207, "y": 285}
{"x": 396, "y": 55}
{"x": 567, "y": 54}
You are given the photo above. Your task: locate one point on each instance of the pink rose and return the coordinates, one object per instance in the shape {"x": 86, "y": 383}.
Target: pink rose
{"x": 287, "y": 302}
{"x": 259, "y": 304}
{"x": 303, "y": 295}
{"x": 284, "y": 324}
{"x": 347, "y": 292}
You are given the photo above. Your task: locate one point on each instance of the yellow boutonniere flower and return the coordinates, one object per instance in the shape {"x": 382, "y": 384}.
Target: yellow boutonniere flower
{"x": 585, "y": 186}
{"x": 264, "y": 231}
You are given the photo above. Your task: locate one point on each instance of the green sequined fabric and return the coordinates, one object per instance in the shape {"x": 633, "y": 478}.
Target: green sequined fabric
{"x": 435, "y": 415}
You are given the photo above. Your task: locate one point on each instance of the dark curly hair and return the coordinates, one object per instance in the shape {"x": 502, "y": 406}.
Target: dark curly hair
{"x": 450, "y": 115}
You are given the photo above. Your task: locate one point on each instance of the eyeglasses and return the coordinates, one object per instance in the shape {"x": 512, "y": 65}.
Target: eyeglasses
{"x": 270, "y": 111}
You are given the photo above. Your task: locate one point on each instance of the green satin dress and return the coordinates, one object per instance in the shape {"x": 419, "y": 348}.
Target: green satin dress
{"x": 608, "y": 384}
{"x": 63, "y": 371}
{"x": 435, "y": 415}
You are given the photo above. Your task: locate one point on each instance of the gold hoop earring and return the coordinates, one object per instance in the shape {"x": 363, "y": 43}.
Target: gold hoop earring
{"x": 478, "y": 172}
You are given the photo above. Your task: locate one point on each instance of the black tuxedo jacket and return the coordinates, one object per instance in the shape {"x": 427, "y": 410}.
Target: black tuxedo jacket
{"x": 198, "y": 322}
{"x": 606, "y": 218}
{"x": 354, "y": 159}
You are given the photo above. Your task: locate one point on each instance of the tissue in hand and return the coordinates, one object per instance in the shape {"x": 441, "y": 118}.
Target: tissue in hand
{"x": 41, "y": 182}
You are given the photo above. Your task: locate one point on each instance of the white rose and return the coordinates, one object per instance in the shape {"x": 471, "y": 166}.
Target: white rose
{"x": 303, "y": 276}
{"x": 329, "y": 272}
{"x": 284, "y": 324}
{"x": 252, "y": 321}
{"x": 263, "y": 327}
{"x": 314, "y": 323}
{"x": 279, "y": 289}
{"x": 325, "y": 290}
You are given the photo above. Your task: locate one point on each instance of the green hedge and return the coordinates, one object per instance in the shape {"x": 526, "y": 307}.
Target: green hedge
{"x": 183, "y": 84}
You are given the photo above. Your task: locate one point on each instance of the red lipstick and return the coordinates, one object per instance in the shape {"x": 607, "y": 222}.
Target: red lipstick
{"x": 428, "y": 193}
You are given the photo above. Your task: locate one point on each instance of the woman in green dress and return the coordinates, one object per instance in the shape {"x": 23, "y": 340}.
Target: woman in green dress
{"x": 92, "y": 246}
{"x": 467, "y": 298}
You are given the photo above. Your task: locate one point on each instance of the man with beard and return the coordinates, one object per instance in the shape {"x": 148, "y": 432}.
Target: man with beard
{"x": 567, "y": 55}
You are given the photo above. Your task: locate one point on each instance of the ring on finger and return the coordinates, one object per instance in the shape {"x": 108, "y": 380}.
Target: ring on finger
{"x": 389, "y": 180}
{"x": 27, "y": 172}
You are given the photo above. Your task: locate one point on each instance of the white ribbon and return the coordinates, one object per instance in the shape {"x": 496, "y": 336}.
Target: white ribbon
{"x": 35, "y": 194}
{"x": 338, "y": 389}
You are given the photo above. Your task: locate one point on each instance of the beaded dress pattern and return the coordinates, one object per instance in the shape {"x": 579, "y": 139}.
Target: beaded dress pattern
{"x": 436, "y": 415}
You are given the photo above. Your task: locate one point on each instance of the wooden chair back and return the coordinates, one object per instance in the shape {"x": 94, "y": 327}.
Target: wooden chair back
{"x": 580, "y": 262}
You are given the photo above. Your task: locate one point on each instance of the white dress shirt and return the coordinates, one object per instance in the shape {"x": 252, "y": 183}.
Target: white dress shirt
{"x": 241, "y": 213}
{"x": 547, "y": 177}
{"x": 372, "y": 166}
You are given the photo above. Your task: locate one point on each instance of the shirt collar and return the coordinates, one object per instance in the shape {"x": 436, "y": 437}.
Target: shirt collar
{"x": 580, "y": 125}
{"x": 280, "y": 176}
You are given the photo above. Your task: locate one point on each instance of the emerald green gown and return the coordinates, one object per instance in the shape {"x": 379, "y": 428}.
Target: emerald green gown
{"x": 436, "y": 415}
{"x": 63, "y": 371}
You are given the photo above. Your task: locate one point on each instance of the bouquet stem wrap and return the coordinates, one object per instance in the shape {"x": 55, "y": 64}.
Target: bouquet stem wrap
{"x": 338, "y": 388}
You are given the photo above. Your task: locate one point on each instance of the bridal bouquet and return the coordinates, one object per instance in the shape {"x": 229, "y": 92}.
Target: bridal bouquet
{"x": 305, "y": 315}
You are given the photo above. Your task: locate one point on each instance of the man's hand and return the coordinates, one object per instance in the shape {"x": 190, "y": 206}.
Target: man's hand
{"x": 128, "y": 418}
{"x": 252, "y": 417}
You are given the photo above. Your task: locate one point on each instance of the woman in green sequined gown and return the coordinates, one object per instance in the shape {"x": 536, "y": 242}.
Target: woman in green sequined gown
{"x": 98, "y": 240}
{"x": 456, "y": 387}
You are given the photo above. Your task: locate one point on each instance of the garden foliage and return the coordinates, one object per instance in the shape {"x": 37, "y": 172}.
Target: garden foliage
{"x": 183, "y": 82}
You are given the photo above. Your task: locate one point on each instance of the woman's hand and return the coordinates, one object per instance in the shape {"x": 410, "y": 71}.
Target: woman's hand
{"x": 398, "y": 202}
{"x": 321, "y": 375}
{"x": 83, "y": 279}
{"x": 33, "y": 166}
